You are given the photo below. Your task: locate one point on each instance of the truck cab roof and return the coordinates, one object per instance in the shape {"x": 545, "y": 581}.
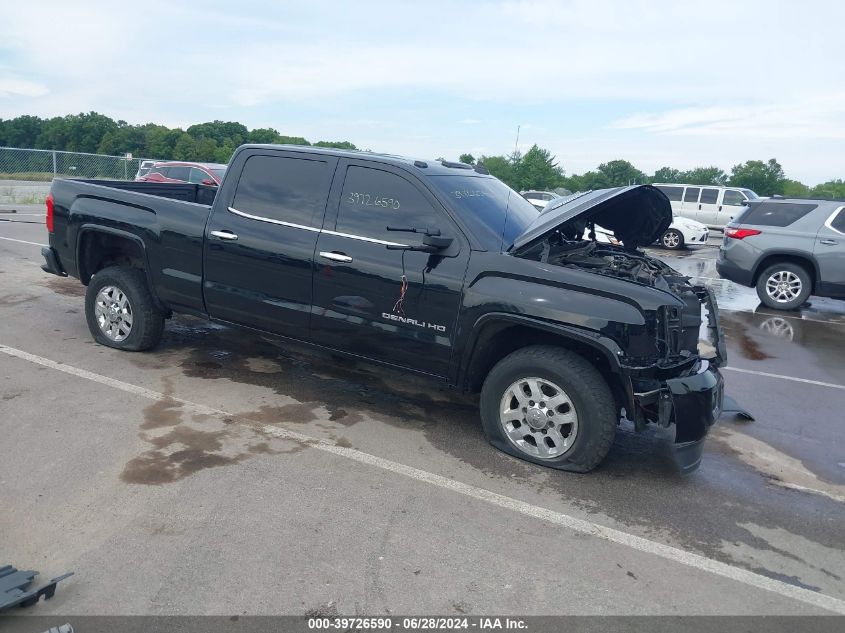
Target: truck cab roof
{"x": 423, "y": 167}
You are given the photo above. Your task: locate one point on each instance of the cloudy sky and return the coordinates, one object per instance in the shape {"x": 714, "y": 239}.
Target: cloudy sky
{"x": 658, "y": 83}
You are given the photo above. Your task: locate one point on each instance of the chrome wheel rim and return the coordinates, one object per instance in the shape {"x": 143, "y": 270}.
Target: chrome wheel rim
{"x": 783, "y": 286}
{"x": 539, "y": 418}
{"x": 671, "y": 239}
{"x": 113, "y": 313}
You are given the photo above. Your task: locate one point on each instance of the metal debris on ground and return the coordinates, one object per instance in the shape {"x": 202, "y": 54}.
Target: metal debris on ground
{"x": 14, "y": 585}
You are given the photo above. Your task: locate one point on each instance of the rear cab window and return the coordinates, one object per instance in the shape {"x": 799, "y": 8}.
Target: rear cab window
{"x": 373, "y": 199}
{"x": 775, "y": 213}
{"x": 283, "y": 189}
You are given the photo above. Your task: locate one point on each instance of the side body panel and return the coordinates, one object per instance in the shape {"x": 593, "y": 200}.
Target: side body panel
{"x": 258, "y": 267}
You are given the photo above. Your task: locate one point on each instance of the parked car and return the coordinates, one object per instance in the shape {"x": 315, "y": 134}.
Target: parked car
{"x": 144, "y": 168}
{"x": 197, "y": 173}
{"x": 539, "y": 198}
{"x": 788, "y": 248}
{"x": 683, "y": 232}
{"x": 427, "y": 266}
{"x": 680, "y": 233}
{"x": 710, "y": 205}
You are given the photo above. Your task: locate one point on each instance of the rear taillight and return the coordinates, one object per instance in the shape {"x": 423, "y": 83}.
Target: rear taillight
{"x": 739, "y": 234}
{"x": 49, "y": 203}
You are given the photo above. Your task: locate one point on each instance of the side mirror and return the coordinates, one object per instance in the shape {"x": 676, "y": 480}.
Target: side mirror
{"x": 437, "y": 242}
{"x": 210, "y": 182}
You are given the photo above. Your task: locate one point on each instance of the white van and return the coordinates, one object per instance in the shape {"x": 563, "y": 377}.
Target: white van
{"x": 708, "y": 204}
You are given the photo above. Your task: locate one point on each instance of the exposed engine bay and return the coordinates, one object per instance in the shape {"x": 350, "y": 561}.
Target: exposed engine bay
{"x": 565, "y": 248}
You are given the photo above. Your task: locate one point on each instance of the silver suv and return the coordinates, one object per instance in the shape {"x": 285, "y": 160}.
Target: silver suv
{"x": 789, "y": 248}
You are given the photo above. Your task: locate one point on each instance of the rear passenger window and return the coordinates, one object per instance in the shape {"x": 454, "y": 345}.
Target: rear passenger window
{"x": 178, "y": 173}
{"x": 709, "y": 196}
{"x": 373, "y": 199}
{"x": 673, "y": 193}
{"x": 838, "y": 223}
{"x": 198, "y": 175}
{"x": 733, "y": 198}
{"x": 691, "y": 194}
{"x": 775, "y": 213}
{"x": 281, "y": 188}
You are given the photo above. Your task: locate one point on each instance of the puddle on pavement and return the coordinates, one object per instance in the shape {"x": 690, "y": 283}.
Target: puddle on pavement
{"x": 192, "y": 443}
{"x": 67, "y": 286}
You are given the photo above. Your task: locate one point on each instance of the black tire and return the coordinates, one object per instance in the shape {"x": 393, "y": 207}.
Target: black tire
{"x": 672, "y": 239}
{"x": 584, "y": 385}
{"x": 785, "y": 270}
{"x": 147, "y": 320}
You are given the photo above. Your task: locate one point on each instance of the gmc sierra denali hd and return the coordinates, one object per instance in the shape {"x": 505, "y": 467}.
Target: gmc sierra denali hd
{"x": 428, "y": 266}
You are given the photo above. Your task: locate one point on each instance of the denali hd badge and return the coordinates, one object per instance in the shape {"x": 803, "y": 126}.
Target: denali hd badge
{"x": 410, "y": 321}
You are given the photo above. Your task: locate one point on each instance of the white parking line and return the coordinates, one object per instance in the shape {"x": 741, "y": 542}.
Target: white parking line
{"x": 9, "y": 239}
{"x": 695, "y": 561}
{"x": 782, "y": 377}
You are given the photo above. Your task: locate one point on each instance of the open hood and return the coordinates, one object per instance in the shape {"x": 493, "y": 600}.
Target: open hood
{"x": 637, "y": 215}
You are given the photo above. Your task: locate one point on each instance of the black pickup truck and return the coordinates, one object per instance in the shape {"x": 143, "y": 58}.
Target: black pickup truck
{"x": 427, "y": 266}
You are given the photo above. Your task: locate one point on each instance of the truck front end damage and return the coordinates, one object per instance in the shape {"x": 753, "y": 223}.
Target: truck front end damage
{"x": 683, "y": 386}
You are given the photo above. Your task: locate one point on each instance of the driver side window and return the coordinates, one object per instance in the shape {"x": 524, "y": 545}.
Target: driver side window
{"x": 373, "y": 199}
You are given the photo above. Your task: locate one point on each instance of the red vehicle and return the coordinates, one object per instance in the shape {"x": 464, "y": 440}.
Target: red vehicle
{"x": 197, "y": 173}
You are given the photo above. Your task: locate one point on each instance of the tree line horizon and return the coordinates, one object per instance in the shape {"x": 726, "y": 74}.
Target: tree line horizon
{"x": 536, "y": 169}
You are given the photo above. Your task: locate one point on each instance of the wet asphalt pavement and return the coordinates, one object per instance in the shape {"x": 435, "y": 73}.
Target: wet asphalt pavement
{"x": 101, "y": 480}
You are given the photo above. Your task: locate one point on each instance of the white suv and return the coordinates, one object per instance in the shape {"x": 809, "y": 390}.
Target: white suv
{"x": 709, "y": 204}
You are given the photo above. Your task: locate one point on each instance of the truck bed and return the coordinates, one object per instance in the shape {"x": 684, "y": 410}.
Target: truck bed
{"x": 188, "y": 192}
{"x": 165, "y": 220}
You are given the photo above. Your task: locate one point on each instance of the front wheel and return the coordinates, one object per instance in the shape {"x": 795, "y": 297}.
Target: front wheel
{"x": 784, "y": 286}
{"x": 672, "y": 239}
{"x": 120, "y": 310}
{"x": 549, "y": 406}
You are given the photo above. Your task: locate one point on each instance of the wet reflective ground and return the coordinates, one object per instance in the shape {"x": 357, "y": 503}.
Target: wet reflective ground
{"x": 139, "y": 496}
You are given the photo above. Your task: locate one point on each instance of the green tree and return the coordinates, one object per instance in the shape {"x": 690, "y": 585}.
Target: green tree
{"x": 829, "y": 189}
{"x": 667, "y": 174}
{"x": 619, "y": 173}
{"x": 292, "y": 140}
{"x": 595, "y": 180}
{"x": 704, "y": 176}
{"x": 501, "y": 168}
{"x": 467, "y": 159}
{"x": 22, "y": 131}
{"x": 220, "y": 131}
{"x": 336, "y": 144}
{"x": 765, "y": 179}
{"x": 185, "y": 148}
{"x": 262, "y": 135}
{"x": 795, "y": 189}
{"x": 537, "y": 169}
{"x": 206, "y": 150}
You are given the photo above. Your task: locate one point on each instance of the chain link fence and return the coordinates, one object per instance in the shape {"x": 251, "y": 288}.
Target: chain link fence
{"x": 42, "y": 165}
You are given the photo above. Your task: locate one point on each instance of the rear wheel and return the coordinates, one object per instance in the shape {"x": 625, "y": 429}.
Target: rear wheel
{"x": 672, "y": 239}
{"x": 120, "y": 310}
{"x": 549, "y": 406}
{"x": 784, "y": 286}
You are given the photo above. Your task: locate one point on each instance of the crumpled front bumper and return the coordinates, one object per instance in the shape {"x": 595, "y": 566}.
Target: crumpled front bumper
{"x": 696, "y": 403}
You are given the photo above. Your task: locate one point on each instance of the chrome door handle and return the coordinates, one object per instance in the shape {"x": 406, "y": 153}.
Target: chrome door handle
{"x": 337, "y": 257}
{"x": 224, "y": 235}
{"x": 828, "y": 242}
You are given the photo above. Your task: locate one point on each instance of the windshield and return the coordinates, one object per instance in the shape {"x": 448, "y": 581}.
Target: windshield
{"x": 493, "y": 212}
{"x": 218, "y": 172}
{"x": 750, "y": 194}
